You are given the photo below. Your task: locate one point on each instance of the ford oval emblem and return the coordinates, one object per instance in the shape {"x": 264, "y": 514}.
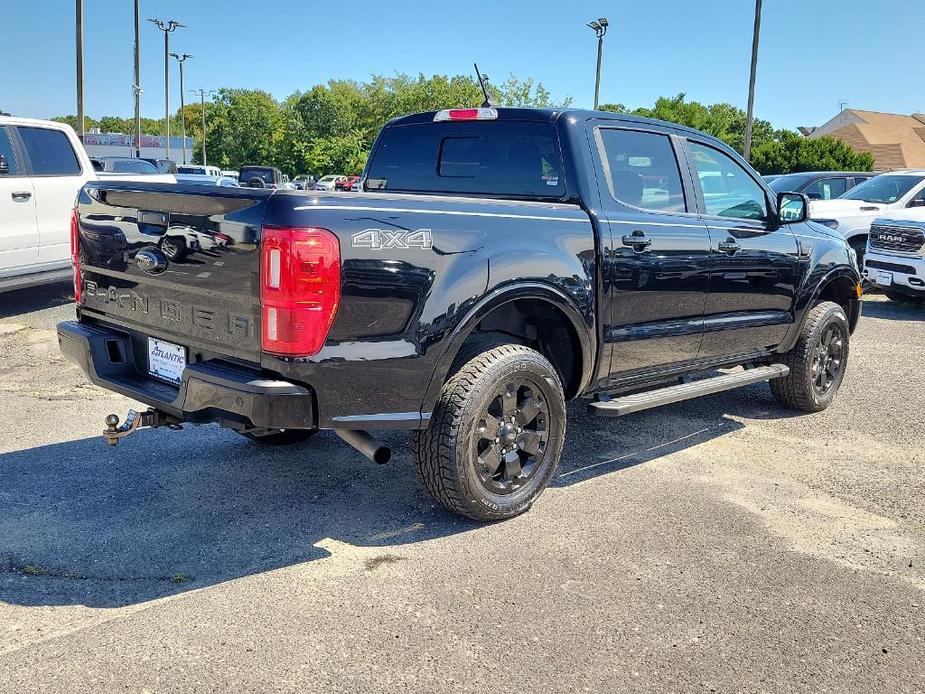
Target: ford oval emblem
{"x": 151, "y": 260}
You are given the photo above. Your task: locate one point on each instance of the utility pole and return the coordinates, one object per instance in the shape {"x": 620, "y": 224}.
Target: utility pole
{"x": 167, "y": 28}
{"x": 600, "y": 28}
{"x": 749, "y": 117}
{"x": 80, "y": 70}
{"x": 202, "y": 100}
{"x": 182, "y": 58}
{"x": 136, "y": 86}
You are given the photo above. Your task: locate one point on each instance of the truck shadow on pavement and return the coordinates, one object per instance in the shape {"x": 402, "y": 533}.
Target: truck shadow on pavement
{"x": 164, "y": 512}
{"x": 890, "y": 310}
{"x": 23, "y": 301}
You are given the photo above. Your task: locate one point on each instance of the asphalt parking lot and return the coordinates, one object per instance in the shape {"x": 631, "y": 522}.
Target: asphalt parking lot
{"x": 722, "y": 544}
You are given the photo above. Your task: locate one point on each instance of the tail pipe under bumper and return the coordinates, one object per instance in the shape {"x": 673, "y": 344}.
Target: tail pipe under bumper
{"x": 372, "y": 448}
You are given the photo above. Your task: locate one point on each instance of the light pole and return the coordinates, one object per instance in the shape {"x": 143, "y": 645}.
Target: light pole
{"x": 80, "y": 69}
{"x": 747, "y": 148}
{"x": 600, "y": 28}
{"x": 202, "y": 100}
{"x": 167, "y": 27}
{"x": 182, "y": 58}
{"x": 136, "y": 86}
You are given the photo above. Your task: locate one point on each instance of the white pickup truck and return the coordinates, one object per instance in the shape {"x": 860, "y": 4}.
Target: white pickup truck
{"x": 899, "y": 195}
{"x": 42, "y": 167}
{"x": 895, "y": 259}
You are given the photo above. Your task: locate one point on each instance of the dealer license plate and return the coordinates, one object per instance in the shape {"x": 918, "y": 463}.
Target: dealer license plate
{"x": 885, "y": 279}
{"x": 166, "y": 360}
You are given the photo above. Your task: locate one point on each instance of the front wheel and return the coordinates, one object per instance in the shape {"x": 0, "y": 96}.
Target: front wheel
{"x": 495, "y": 436}
{"x": 817, "y": 361}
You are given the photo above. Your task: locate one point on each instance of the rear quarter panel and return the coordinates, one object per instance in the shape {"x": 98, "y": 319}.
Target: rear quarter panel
{"x": 415, "y": 270}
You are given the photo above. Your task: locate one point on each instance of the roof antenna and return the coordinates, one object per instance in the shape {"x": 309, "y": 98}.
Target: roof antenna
{"x": 483, "y": 83}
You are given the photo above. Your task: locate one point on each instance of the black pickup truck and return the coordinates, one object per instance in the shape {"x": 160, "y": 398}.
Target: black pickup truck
{"x": 498, "y": 263}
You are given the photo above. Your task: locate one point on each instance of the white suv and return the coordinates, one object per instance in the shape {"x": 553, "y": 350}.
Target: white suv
{"x": 42, "y": 167}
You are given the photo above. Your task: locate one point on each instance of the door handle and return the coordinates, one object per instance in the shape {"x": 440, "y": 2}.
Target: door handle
{"x": 729, "y": 246}
{"x": 21, "y": 195}
{"x": 637, "y": 241}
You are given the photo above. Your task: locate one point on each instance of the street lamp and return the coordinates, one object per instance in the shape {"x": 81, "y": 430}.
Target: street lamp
{"x": 749, "y": 116}
{"x": 182, "y": 58}
{"x": 202, "y": 100}
{"x": 600, "y": 28}
{"x": 167, "y": 28}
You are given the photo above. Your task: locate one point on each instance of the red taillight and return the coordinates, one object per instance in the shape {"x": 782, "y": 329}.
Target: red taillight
{"x": 299, "y": 289}
{"x": 75, "y": 255}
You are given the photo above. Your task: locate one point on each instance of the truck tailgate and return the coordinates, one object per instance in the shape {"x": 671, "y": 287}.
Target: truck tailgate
{"x": 175, "y": 262}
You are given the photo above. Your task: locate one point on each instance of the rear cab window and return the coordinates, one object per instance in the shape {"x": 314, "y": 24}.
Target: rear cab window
{"x": 49, "y": 151}
{"x": 642, "y": 170}
{"x": 520, "y": 159}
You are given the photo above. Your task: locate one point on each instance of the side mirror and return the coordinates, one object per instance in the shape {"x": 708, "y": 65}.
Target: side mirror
{"x": 917, "y": 202}
{"x": 792, "y": 208}
{"x": 4, "y": 166}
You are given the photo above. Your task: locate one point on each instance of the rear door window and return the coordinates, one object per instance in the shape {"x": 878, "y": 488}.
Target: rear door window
{"x": 49, "y": 151}
{"x": 643, "y": 170}
{"x": 495, "y": 158}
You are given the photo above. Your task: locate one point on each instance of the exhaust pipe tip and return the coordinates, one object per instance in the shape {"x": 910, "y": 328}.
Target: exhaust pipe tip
{"x": 362, "y": 441}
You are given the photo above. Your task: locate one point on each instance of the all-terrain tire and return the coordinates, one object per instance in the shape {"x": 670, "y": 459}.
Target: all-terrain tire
{"x": 800, "y": 389}
{"x": 447, "y": 453}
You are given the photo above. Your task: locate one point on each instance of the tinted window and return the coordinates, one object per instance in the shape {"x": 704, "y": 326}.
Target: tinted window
{"x": 827, "y": 188}
{"x": 883, "y": 189}
{"x": 6, "y": 151}
{"x": 133, "y": 166}
{"x": 510, "y": 158}
{"x": 50, "y": 152}
{"x": 728, "y": 189}
{"x": 643, "y": 170}
{"x": 789, "y": 183}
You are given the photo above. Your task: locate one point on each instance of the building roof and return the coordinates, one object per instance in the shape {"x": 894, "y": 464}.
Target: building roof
{"x": 897, "y": 141}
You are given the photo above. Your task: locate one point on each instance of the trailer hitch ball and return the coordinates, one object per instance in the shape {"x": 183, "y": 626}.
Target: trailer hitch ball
{"x": 135, "y": 421}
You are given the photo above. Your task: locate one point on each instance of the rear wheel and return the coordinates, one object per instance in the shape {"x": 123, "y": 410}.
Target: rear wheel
{"x": 496, "y": 434}
{"x": 817, "y": 362}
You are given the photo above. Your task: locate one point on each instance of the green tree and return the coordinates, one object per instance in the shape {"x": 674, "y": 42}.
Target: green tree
{"x": 244, "y": 127}
{"x": 790, "y": 152}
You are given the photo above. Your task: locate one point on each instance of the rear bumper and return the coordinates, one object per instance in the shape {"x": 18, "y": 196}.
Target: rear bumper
{"x": 210, "y": 391}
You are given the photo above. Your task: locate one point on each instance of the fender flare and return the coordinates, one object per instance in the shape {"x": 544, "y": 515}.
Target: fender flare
{"x": 809, "y": 299}
{"x": 498, "y": 297}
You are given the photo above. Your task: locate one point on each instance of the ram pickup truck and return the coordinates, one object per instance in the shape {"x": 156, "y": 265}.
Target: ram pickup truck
{"x": 895, "y": 259}
{"x": 498, "y": 263}
{"x": 42, "y": 167}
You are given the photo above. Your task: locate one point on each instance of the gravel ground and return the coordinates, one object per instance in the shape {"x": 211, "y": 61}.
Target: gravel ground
{"x": 722, "y": 544}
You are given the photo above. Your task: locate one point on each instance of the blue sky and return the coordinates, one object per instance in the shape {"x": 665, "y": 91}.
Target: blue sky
{"x": 814, "y": 53}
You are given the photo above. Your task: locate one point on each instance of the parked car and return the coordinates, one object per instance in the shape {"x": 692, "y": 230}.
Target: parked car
{"x": 304, "y": 182}
{"x": 201, "y": 180}
{"x": 230, "y": 173}
{"x": 328, "y": 182}
{"x": 260, "y": 177}
{"x": 896, "y": 195}
{"x": 345, "y": 183}
{"x": 819, "y": 185}
{"x": 163, "y": 165}
{"x": 357, "y": 185}
{"x": 496, "y": 267}
{"x": 770, "y": 177}
{"x": 42, "y": 167}
{"x": 895, "y": 258}
{"x": 199, "y": 169}
{"x": 128, "y": 165}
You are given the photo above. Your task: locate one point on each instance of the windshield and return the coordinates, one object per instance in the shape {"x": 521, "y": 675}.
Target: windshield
{"x": 883, "y": 189}
{"x": 790, "y": 183}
